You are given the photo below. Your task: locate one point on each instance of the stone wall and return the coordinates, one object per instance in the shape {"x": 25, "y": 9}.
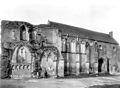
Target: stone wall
{"x": 87, "y": 59}
{"x": 44, "y": 37}
{"x": 118, "y": 58}
{"x": 75, "y": 55}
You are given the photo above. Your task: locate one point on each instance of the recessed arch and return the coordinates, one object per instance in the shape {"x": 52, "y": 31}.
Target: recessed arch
{"x": 21, "y": 52}
{"x": 49, "y": 61}
{"x": 24, "y": 35}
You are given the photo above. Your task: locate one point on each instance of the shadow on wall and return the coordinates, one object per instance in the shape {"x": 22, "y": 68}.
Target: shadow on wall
{"x": 11, "y": 86}
{"x": 106, "y": 86}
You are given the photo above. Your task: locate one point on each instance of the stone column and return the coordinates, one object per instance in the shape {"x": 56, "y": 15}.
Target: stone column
{"x": 32, "y": 64}
{"x": 77, "y": 64}
{"x": 61, "y": 68}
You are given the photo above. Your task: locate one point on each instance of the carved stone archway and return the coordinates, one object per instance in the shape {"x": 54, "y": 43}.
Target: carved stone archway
{"x": 49, "y": 61}
{"x": 21, "y": 62}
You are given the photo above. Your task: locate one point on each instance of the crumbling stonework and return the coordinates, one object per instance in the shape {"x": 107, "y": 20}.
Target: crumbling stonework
{"x": 54, "y": 49}
{"x": 30, "y": 49}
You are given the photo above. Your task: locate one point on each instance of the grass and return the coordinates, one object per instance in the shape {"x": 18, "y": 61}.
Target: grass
{"x": 83, "y": 75}
{"x": 11, "y": 86}
{"x": 106, "y": 86}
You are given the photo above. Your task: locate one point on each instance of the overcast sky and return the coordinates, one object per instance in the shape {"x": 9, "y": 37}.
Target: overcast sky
{"x": 97, "y": 15}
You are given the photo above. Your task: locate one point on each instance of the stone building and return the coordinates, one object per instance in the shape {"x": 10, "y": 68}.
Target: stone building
{"x": 55, "y": 49}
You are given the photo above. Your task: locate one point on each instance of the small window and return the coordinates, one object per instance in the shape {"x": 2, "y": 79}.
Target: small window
{"x": 83, "y": 46}
{"x": 34, "y": 35}
{"x": 73, "y": 46}
{"x": 68, "y": 47}
{"x": 13, "y": 34}
{"x": 78, "y": 48}
{"x": 114, "y": 48}
{"x": 96, "y": 46}
{"x": 39, "y": 37}
{"x": 87, "y": 45}
{"x": 100, "y": 47}
{"x": 63, "y": 45}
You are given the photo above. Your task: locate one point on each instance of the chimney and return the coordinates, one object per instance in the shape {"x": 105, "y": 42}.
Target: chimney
{"x": 111, "y": 33}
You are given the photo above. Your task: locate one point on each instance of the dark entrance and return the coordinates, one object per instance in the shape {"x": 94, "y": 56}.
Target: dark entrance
{"x": 100, "y": 62}
{"x": 108, "y": 65}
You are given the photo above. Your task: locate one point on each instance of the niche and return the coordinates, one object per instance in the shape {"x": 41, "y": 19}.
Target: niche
{"x": 24, "y": 35}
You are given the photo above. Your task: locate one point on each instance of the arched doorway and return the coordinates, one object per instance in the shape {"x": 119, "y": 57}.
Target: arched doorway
{"x": 21, "y": 62}
{"x": 49, "y": 62}
{"x": 100, "y": 62}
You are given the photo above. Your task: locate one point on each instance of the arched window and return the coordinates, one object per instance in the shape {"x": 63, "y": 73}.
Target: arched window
{"x": 24, "y": 35}
{"x": 22, "y": 32}
{"x": 63, "y": 45}
{"x": 96, "y": 46}
{"x": 83, "y": 46}
{"x": 73, "y": 46}
{"x": 34, "y": 35}
{"x": 27, "y": 35}
{"x": 39, "y": 37}
{"x": 13, "y": 35}
{"x": 78, "y": 48}
{"x": 114, "y": 48}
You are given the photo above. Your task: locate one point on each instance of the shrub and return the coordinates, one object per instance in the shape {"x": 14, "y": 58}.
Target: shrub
{"x": 5, "y": 67}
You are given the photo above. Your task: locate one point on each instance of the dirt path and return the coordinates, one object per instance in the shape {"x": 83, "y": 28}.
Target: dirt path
{"x": 91, "y": 82}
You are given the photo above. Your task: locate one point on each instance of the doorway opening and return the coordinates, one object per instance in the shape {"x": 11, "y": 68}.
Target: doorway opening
{"x": 100, "y": 62}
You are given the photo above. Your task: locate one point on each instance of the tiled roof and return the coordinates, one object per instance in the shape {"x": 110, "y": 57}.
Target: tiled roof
{"x": 65, "y": 29}
{"x": 83, "y": 33}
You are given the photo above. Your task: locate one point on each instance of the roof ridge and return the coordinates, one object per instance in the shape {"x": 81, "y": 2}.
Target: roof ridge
{"x": 82, "y": 32}
{"x": 75, "y": 27}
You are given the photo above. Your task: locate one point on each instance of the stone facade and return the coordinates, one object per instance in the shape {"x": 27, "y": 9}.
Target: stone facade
{"x": 45, "y": 50}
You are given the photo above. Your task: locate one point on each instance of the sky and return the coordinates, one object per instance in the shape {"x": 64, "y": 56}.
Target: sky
{"x": 97, "y": 15}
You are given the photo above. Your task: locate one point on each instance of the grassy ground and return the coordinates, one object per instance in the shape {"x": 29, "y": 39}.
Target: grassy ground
{"x": 96, "y": 86}
{"x": 81, "y": 81}
{"x": 21, "y": 84}
{"x": 106, "y": 86}
{"x": 11, "y": 86}
{"x": 92, "y": 82}
{"x": 85, "y": 76}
